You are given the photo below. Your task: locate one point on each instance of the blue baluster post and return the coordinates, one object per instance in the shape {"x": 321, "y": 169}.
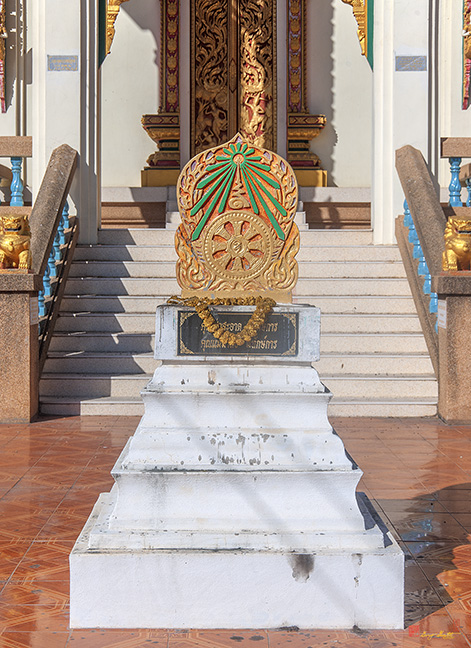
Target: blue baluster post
{"x": 468, "y": 187}
{"x": 41, "y": 304}
{"x": 16, "y": 183}
{"x": 455, "y": 185}
{"x": 51, "y": 262}
{"x": 407, "y": 215}
{"x": 57, "y": 246}
{"x": 47, "y": 282}
{"x": 65, "y": 216}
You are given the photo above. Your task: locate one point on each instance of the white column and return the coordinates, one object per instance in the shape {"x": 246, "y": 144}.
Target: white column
{"x": 401, "y": 111}
{"x": 65, "y": 98}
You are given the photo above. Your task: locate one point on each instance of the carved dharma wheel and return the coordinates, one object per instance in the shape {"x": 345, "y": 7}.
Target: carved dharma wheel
{"x": 237, "y": 203}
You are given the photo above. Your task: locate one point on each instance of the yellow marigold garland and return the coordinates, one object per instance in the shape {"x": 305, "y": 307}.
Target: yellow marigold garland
{"x": 264, "y": 306}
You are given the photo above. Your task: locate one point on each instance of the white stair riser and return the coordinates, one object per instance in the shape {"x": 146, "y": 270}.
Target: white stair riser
{"x": 345, "y": 364}
{"x": 387, "y": 388}
{"x": 145, "y": 323}
{"x": 112, "y": 343}
{"x": 341, "y": 408}
{"x": 327, "y": 304}
{"x": 92, "y": 386}
{"x": 373, "y": 343}
{"x": 327, "y": 365}
{"x": 304, "y": 287}
{"x": 369, "y": 323}
{"x": 129, "y": 364}
{"x": 130, "y": 386}
{"x": 167, "y": 237}
{"x": 307, "y": 269}
{"x": 333, "y": 254}
{"x": 127, "y": 323}
{"x": 383, "y": 410}
{"x": 125, "y": 253}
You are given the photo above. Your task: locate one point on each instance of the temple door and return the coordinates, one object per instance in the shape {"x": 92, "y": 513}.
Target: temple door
{"x": 233, "y": 72}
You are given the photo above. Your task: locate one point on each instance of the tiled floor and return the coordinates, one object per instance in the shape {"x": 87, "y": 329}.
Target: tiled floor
{"x": 416, "y": 471}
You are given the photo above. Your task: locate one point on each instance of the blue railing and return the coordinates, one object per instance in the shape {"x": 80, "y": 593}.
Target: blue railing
{"x": 50, "y": 274}
{"x": 16, "y": 186}
{"x": 422, "y": 269}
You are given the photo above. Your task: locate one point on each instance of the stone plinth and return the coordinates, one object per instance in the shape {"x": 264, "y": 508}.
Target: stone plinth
{"x": 234, "y": 502}
{"x": 454, "y": 339}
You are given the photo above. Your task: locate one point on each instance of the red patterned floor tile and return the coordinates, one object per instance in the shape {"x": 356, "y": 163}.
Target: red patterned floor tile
{"x": 34, "y": 639}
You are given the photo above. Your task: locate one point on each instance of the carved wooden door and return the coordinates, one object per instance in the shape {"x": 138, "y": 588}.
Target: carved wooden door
{"x": 233, "y": 72}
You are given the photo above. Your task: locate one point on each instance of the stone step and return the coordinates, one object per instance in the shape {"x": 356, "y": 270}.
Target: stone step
{"x": 115, "y": 406}
{"x": 391, "y": 343}
{"x": 344, "y": 387}
{"x": 145, "y": 323}
{"x": 381, "y": 386}
{"x": 157, "y": 236}
{"x": 102, "y": 342}
{"x": 331, "y": 253}
{"x": 304, "y": 287}
{"x": 307, "y": 269}
{"x": 101, "y": 362}
{"x": 369, "y": 304}
{"x": 126, "y": 253}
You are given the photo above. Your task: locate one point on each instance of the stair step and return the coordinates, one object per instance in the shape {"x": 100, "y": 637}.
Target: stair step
{"x": 402, "y": 387}
{"x": 125, "y": 253}
{"x": 99, "y": 385}
{"x": 164, "y": 286}
{"x": 115, "y": 406}
{"x": 96, "y": 362}
{"x": 157, "y": 236}
{"x": 145, "y": 323}
{"x": 104, "y": 342}
{"x": 373, "y": 354}
{"x": 106, "y": 322}
{"x": 307, "y": 269}
{"x": 360, "y": 304}
{"x": 331, "y": 253}
{"x": 392, "y": 343}
{"x": 93, "y": 385}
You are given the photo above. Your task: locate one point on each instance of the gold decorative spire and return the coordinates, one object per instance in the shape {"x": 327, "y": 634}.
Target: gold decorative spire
{"x": 112, "y": 10}
{"x": 360, "y": 12}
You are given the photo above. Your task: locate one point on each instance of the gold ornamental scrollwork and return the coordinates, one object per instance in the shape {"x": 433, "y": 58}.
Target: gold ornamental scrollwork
{"x": 257, "y": 72}
{"x": 360, "y": 12}
{"x": 237, "y": 203}
{"x": 112, "y": 11}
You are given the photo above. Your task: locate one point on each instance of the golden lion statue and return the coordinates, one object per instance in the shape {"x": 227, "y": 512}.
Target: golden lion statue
{"x": 457, "y": 254}
{"x": 15, "y": 239}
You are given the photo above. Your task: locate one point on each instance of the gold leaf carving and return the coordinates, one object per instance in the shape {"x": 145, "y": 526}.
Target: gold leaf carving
{"x": 112, "y": 10}
{"x": 210, "y": 74}
{"x": 257, "y": 72}
{"x": 237, "y": 203}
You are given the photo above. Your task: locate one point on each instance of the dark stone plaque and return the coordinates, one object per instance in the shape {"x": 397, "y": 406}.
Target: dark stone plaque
{"x": 277, "y": 337}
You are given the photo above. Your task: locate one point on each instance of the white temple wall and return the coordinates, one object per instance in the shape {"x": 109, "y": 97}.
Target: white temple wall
{"x": 339, "y": 85}
{"x": 453, "y": 121}
{"x": 130, "y": 89}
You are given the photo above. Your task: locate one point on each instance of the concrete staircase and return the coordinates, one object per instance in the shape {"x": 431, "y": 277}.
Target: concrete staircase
{"x": 373, "y": 354}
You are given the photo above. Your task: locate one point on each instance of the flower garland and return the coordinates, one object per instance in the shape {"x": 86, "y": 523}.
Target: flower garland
{"x": 264, "y": 306}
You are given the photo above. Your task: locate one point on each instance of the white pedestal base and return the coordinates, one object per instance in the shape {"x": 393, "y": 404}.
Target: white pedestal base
{"x": 234, "y": 505}
{"x": 234, "y": 589}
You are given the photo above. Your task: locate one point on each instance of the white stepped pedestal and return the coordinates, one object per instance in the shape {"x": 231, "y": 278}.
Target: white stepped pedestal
{"x": 234, "y": 504}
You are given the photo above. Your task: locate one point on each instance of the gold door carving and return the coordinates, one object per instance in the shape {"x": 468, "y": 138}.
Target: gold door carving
{"x": 233, "y": 72}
